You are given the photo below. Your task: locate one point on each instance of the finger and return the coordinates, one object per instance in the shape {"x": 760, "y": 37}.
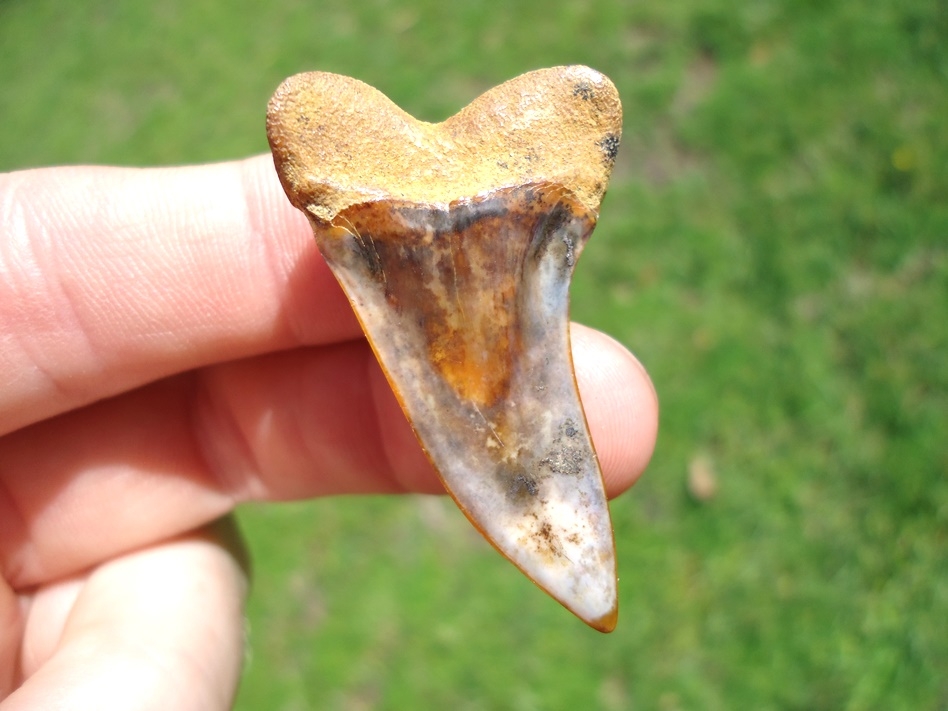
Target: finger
{"x": 315, "y": 422}
{"x": 159, "y": 629}
{"x": 621, "y": 409}
{"x": 11, "y": 633}
{"x": 111, "y": 278}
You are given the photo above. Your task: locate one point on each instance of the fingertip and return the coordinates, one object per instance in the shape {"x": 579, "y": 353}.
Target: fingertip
{"x": 621, "y": 406}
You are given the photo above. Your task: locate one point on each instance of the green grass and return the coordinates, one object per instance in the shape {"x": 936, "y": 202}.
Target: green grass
{"x": 774, "y": 246}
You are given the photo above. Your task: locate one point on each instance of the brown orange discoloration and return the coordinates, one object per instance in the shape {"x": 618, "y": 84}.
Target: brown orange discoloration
{"x": 455, "y": 274}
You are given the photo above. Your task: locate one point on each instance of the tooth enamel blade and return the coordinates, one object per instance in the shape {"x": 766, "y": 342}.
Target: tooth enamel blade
{"x": 462, "y": 290}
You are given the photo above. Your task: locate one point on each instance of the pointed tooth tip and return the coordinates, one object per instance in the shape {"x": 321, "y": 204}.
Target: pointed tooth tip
{"x": 598, "y": 609}
{"x": 606, "y": 623}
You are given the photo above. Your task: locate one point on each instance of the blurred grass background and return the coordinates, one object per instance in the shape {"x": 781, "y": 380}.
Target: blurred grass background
{"x": 774, "y": 247}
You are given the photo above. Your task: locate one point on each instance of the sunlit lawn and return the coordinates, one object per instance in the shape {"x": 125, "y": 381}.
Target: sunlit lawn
{"x": 774, "y": 247}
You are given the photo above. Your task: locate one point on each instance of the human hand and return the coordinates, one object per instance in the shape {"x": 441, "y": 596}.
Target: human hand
{"x": 172, "y": 344}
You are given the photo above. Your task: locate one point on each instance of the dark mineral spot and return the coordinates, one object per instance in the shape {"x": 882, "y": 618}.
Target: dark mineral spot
{"x": 610, "y": 147}
{"x": 568, "y": 453}
{"x": 564, "y": 461}
{"x": 546, "y": 531}
{"x": 547, "y": 540}
{"x": 570, "y": 252}
{"x": 583, "y": 90}
{"x": 522, "y": 484}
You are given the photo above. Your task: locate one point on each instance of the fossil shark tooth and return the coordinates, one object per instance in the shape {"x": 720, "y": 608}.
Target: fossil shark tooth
{"x": 455, "y": 243}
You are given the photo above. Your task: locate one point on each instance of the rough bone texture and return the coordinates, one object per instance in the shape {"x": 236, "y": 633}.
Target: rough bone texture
{"x": 339, "y": 142}
{"x": 455, "y": 244}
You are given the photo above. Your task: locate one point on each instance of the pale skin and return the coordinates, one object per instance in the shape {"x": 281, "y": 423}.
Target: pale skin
{"x": 171, "y": 345}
